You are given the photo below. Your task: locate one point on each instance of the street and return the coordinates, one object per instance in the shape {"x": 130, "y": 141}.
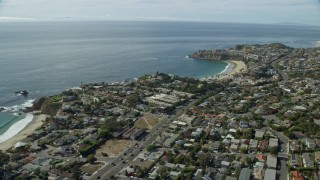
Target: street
{"x": 113, "y": 167}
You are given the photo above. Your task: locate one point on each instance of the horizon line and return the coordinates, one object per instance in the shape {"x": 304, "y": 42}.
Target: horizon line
{"x": 139, "y": 19}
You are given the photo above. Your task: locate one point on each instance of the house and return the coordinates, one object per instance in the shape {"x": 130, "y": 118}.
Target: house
{"x": 259, "y": 134}
{"x": 270, "y": 174}
{"x": 154, "y": 156}
{"x": 198, "y": 174}
{"x": 186, "y": 118}
{"x": 272, "y": 161}
{"x": 244, "y": 146}
{"x": 296, "y": 175}
{"x": 153, "y": 173}
{"x": 226, "y": 142}
{"x": 261, "y": 157}
{"x": 258, "y": 170}
{"x": 244, "y": 124}
{"x": 170, "y": 140}
{"x": 215, "y": 146}
{"x": 174, "y": 174}
{"x": 225, "y": 164}
{"x": 31, "y": 167}
{"x": 294, "y": 146}
{"x": 310, "y": 143}
{"x": 169, "y": 165}
{"x": 218, "y": 176}
{"x": 235, "y": 141}
{"x": 197, "y": 133}
{"x": 263, "y": 145}
{"x": 179, "y": 166}
{"x": 273, "y": 142}
{"x": 296, "y": 160}
{"x": 209, "y": 176}
{"x": 234, "y": 145}
{"x": 253, "y": 144}
{"x": 214, "y": 133}
{"x": 307, "y": 160}
{"x": 245, "y": 174}
{"x": 233, "y": 148}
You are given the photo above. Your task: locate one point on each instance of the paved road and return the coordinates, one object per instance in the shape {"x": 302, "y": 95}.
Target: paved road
{"x": 274, "y": 64}
{"x": 113, "y": 167}
{"x": 283, "y": 172}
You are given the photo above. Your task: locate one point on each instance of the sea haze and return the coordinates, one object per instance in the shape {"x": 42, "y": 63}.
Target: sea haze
{"x": 48, "y": 57}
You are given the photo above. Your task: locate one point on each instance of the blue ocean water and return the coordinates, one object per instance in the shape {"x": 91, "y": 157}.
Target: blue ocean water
{"x": 48, "y": 57}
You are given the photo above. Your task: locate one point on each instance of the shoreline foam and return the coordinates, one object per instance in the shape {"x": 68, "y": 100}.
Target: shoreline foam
{"x": 225, "y": 69}
{"x": 17, "y": 108}
{"x": 231, "y": 69}
{"x": 16, "y": 128}
{"x": 25, "y": 127}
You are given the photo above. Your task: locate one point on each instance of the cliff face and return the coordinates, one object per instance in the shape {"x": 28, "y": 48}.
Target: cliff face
{"x": 46, "y": 105}
{"x": 49, "y": 107}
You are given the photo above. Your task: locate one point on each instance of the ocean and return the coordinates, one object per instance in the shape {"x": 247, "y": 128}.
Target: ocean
{"x": 45, "y": 58}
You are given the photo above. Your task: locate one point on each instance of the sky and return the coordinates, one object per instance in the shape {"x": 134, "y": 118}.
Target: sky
{"x": 240, "y": 11}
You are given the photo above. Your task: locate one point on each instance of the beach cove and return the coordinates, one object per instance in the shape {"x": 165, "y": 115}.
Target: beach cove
{"x": 20, "y": 130}
{"x": 234, "y": 67}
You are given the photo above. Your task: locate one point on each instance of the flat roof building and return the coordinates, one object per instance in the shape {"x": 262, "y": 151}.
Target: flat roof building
{"x": 272, "y": 161}
{"x": 270, "y": 174}
{"x": 245, "y": 174}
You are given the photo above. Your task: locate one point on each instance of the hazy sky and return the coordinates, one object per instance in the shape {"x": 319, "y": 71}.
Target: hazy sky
{"x": 245, "y": 11}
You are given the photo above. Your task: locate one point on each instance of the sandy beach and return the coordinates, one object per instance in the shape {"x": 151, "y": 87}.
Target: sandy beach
{"x": 233, "y": 68}
{"x": 36, "y": 122}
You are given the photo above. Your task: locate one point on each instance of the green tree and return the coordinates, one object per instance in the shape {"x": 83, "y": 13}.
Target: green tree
{"x": 4, "y": 158}
{"x": 162, "y": 172}
{"x": 204, "y": 159}
{"x": 139, "y": 172}
{"x": 244, "y": 150}
{"x": 103, "y": 133}
{"x": 91, "y": 159}
{"x": 37, "y": 172}
{"x": 249, "y": 161}
{"x": 273, "y": 150}
{"x": 151, "y": 147}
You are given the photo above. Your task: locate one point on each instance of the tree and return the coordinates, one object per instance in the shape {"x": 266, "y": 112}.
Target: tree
{"x": 249, "y": 161}
{"x": 204, "y": 159}
{"x": 91, "y": 159}
{"x": 4, "y": 158}
{"x": 139, "y": 172}
{"x": 244, "y": 150}
{"x": 178, "y": 159}
{"x": 273, "y": 150}
{"x": 162, "y": 172}
{"x": 37, "y": 172}
{"x": 151, "y": 147}
{"x": 76, "y": 170}
{"x": 103, "y": 133}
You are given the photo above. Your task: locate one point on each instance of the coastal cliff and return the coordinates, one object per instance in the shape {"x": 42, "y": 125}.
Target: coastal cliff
{"x": 46, "y": 105}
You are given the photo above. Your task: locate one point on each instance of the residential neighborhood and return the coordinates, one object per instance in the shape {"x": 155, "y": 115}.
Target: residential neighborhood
{"x": 262, "y": 123}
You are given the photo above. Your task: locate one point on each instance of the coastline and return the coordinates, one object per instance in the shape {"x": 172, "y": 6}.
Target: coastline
{"x": 233, "y": 67}
{"x": 36, "y": 122}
